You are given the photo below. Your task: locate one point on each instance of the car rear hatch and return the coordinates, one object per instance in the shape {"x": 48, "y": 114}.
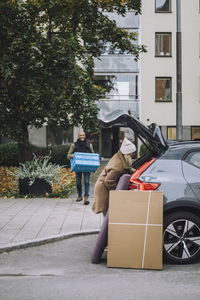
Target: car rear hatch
{"x": 150, "y": 133}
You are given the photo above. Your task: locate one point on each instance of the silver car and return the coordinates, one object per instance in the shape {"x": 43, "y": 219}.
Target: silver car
{"x": 175, "y": 170}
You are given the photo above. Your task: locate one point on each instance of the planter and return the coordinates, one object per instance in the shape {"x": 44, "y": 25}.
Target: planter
{"x": 39, "y": 187}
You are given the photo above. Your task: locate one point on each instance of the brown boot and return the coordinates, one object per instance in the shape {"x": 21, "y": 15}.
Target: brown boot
{"x": 86, "y": 202}
{"x": 80, "y": 198}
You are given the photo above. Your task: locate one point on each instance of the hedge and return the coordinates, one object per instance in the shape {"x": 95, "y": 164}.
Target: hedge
{"x": 59, "y": 155}
{"x": 9, "y": 154}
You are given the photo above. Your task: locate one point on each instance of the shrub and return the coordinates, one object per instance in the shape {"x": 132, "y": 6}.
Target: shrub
{"x": 59, "y": 155}
{"x": 39, "y": 151}
{"x": 9, "y": 154}
{"x": 38, "y": 168}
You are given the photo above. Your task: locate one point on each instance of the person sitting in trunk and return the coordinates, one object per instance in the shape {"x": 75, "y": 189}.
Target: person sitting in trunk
{"x": 119, "y": 164}
{"x": 81, "y": 145}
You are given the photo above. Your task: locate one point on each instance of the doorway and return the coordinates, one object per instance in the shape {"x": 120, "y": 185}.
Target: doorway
{"x": 110, "y": 141}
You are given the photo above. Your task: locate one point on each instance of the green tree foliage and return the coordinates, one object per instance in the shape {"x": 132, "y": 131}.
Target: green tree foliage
{"x": 46, "y": 62}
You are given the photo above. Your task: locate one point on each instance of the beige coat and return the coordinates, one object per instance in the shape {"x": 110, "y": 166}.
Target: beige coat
{"x": 107, "y": 181}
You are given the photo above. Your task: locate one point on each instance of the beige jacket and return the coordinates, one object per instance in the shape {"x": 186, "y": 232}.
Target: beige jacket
{"x": 107, "y": 181}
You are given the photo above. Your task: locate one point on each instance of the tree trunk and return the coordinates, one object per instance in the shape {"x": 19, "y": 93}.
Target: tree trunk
{"x": 25, "y": 152}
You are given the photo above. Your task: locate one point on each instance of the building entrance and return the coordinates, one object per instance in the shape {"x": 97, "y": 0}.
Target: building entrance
{"x": 110, "y": 141}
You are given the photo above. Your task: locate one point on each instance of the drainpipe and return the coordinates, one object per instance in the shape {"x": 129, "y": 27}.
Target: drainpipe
{"x": 100, "y": 143}
{"x": 178, "y": 73}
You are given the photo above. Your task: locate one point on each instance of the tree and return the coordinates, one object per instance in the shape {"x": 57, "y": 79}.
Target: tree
{"x": 46, "y": 62}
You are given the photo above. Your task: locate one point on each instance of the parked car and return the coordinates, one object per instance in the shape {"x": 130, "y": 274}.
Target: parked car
{"x": 173, "y": 169}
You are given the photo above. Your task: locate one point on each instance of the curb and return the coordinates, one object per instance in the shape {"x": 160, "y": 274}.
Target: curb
{"x": 39, "y": 242}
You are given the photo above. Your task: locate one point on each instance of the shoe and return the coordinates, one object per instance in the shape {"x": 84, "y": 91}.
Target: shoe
{"x": 86, "y": 202}
{"x": 80, "y": 198}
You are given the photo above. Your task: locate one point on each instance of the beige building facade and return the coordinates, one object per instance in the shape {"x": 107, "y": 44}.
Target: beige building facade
{"x": 158, "y": 66}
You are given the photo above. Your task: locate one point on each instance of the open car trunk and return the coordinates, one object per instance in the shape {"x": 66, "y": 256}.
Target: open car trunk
{"x": 151, "y": 134}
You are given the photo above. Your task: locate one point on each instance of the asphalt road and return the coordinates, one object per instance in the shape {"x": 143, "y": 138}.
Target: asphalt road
{"x": 62, "y": 270}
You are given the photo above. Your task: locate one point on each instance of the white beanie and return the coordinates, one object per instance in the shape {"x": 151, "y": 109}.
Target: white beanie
{"x": 127, "y": 147}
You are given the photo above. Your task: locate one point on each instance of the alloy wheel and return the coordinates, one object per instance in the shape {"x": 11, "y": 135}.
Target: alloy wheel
{"x": 181, "y": 239}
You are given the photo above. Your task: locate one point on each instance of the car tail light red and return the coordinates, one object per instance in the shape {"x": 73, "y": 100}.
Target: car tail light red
{"x": 136, "y": 184}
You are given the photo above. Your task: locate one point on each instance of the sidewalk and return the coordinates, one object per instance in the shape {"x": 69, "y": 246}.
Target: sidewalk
{"x": 33, "y": 219}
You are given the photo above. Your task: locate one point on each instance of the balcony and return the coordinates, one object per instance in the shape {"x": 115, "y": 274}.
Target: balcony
{"x": 130, "y": 105}
{"x": 116, "y": 63}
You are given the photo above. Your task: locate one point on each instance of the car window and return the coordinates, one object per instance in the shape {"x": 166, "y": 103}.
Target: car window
{"x": 173, "y": 154}
{"x": 193, "y": 158}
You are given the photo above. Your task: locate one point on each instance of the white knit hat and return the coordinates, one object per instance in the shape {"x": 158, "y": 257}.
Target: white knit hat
{"x": 127, "y": 147}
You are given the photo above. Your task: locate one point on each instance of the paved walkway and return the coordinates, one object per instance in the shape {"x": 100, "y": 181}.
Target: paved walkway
{"x": 23, "y": 220}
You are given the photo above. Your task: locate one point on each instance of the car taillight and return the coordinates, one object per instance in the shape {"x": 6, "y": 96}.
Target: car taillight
{"x": 136, "y": 184}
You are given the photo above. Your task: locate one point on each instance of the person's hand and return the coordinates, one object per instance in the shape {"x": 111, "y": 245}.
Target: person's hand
{"x": 72, "y": 155}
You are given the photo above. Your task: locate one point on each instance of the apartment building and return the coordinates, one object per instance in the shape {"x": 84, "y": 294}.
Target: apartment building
{"x": 158, "y": 26}
{"x": 123, "y": 71}
{"x": 147, "y": 88}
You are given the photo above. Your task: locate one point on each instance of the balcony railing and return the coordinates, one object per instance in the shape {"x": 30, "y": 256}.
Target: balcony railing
{"x": 130, "y": 106}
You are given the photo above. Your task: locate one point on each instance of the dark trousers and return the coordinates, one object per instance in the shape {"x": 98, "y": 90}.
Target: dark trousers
{"x": 86, "y": 183}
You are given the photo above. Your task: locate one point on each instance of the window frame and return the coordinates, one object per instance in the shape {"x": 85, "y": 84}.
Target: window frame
{"x": 191, "y": 131}
{"x": 164, "y": 101}
{"x": 164, "y": 12}
{"x": 170, "y": 43}
{"x": 170, "y": 127}
{"x": 111, "y": 95}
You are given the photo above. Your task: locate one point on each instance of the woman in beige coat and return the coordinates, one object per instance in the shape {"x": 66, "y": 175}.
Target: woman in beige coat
{"x": 119, "y": 164}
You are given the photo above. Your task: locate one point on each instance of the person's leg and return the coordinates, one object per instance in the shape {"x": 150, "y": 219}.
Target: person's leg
{"x": 86, "y": 187}
{"x": 79, "y": 185}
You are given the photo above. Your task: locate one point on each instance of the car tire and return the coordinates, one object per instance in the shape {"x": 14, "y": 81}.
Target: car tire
{"x": 181, "y": 237}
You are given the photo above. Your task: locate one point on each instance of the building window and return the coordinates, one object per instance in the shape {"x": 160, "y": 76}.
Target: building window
{"x": 110, "y": 48}
{"x": 118, "y": 86}
{"x": 163, "y": 44}
{"x": 118, "y": 91}
{"x": 196, "y": 133}
{"x": 171, "y": 133}
{"x": 163, "y": 89}
{"x": 163, "y": 6}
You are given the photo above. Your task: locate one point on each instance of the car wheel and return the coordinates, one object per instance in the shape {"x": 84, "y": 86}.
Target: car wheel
{"x": 181, "y": 237}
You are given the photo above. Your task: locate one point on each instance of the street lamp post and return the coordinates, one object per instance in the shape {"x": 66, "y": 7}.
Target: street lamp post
{"x": 178, "y": 73}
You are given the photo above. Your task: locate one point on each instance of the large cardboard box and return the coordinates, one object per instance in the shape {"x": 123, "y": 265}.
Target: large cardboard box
{"x": 135, "y": 229}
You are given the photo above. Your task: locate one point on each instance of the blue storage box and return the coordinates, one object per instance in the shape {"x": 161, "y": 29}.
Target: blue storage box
{"x": 85, "y": 162}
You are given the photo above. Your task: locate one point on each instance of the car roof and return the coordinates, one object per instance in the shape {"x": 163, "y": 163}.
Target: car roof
{"x": 178, "y": 150}
{"x": 184, "y": 144}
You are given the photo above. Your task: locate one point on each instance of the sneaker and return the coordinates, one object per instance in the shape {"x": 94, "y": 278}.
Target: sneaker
{"x": 86, "y": 202}
{"x": 79, "y": 198}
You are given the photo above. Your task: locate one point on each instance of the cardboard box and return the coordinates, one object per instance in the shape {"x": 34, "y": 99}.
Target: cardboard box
{"x": 85, "y": 162}
{"x": 135, "y": 229}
